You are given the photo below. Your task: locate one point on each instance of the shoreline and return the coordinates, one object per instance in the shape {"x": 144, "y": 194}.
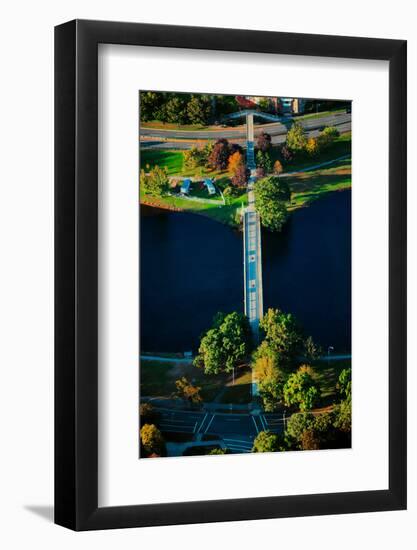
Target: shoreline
{"x": 206, "y": 212}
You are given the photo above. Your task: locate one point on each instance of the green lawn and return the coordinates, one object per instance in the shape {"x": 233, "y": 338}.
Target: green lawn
{"x": 320, "y": 114}
{"x": 157, "y": 379}
{"x": 309, "y": 186}
{"x": 172, "y": 160}
{"x": 328, "y": 374}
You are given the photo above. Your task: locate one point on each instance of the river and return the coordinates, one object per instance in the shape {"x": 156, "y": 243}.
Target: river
{"x": 191, "y": 267}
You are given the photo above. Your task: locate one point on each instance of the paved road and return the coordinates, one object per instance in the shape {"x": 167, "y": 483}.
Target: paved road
{"x": 235, "y": 431}
{"x": 276, "y": 129}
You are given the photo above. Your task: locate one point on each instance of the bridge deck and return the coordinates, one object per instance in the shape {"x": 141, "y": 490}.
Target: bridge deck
{"x": 252, "y": 267}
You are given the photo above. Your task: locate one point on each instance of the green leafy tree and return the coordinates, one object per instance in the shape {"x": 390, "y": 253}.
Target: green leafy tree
{"x": 263, "y": 160}
{"x": 327, "y": 137}
{"x": 225, "y": 344}
{"x": 344, "y": 384}
{"x": 266, "y": 442}
{"x": 150, "y": 105}
{"x": 283, "y": 336}
{"x": 302, "y": 390}
{"x": 270, "y": 381}
{"x": 151, "y": 439}
{"x": 271, "y": 197}
{"x": 155, "y": 182}
{"x": 296, "y": 137}
{"x": 310, "y": 440}
{"x": 199, "y": 110}
{"x": 298, "y": 423}
{"x": 312, "y": 350}
{"x": 175, "y": 110}
{"x": 343, "y": 415}
{"x": 219, "y": 452}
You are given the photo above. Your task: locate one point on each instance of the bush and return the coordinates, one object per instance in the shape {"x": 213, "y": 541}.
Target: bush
{"x": 278, "y": 167}
{"x": 241, "y": 176}
{"x": 271, "y": 196}
{"x": 286, "y": 154}
{"x": 266, "y": 442}
{"x": 327, "y": 137}
{"x": 155, "y": 182}
{"x": 296, "y": 137}
{"x": 151, "y": 439}
{"x": 312, "y": 147}
{"x": 263, "y": 143}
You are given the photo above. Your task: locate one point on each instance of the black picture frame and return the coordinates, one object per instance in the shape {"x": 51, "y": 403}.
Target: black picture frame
{"x": 76, "y": 272}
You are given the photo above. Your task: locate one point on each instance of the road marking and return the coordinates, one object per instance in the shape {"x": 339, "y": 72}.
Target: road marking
{"x": 201, "y": 425}
{"x": 209, "y": 424}
{"x": 195, "y": 427}
{"x": 238, "y": 441}
{"x": 256, "y": 426}
{"x": 263, "y": 420}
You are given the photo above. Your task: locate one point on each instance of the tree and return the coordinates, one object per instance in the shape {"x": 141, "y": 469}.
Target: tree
{"x": 286, "y": 154}
{"x": 302, "y": 390}
{"x": 199, "y": 110}
{"x": 311, "y": 350}
{"x": 187, "y": 391}
{"x": 312, "y": 146}
{"x": 155, "y": 182}
{"x": 235, "y": 161}
{"x": 225, "y": 344}
{"x": 220, "y": 155}
{"x": 344, "y": 384}
{"x": 298, "y": 423}
{"x": 151, "y": 439}
{"x": 150, "y": 104}
{"x": 192, "y": 158}
{"x": 240, "y": 177}
{"x": 278, "y": 167}
{"x": 296, "y": 138}
{"x": 263, "y": 160}
{"x": 343, "y": 415}
{"x": 175, "y": 110}
{"x": 310, "y": 441}
{"x": 219, "y": 452}
{"x": 263, "y": 143}
{"x": 271, "y": 195}
{"x": 283, "y": 336}
{"x": 270, "y": 381}
{"x": 266, "y": 442}
{"x": 147, "y": 413}
{"x": 327, "y": 137}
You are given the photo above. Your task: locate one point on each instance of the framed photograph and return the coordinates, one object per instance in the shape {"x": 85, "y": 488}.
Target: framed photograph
{"x": 230, "y": 275}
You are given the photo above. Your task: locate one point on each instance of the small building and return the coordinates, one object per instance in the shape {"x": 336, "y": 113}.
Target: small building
{"x": 185, "y": 187}
{"x": 210, "y": 186}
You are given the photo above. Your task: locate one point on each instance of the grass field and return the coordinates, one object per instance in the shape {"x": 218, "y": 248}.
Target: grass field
{"x": 306, "y": 186}
{"x": 157, "y": 379}
{"x": 309, "y": 186}
{"x": 328, "y": 374}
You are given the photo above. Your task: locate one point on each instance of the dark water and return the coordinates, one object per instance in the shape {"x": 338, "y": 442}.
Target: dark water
{"x": 192, "y": 267}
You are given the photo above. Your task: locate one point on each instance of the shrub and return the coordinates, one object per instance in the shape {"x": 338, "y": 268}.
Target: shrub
{"x": 263, "y": 143}
{"x": 312, "y": 147}
{"x": 327, "y": 137}
{"x": 296, "y": 137}
{"x": 286, "y": 154}
{"x": 278, "y": 167}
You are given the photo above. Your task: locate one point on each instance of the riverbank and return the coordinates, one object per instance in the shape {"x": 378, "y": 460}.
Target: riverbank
{"x": 306, "y": 187}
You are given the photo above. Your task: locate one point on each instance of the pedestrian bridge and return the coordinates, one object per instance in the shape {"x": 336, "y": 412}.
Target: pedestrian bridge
{"x": 252, "y": 265}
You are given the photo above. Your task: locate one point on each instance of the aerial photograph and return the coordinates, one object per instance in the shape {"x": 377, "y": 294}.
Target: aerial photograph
{"x": 245, "y": 274}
